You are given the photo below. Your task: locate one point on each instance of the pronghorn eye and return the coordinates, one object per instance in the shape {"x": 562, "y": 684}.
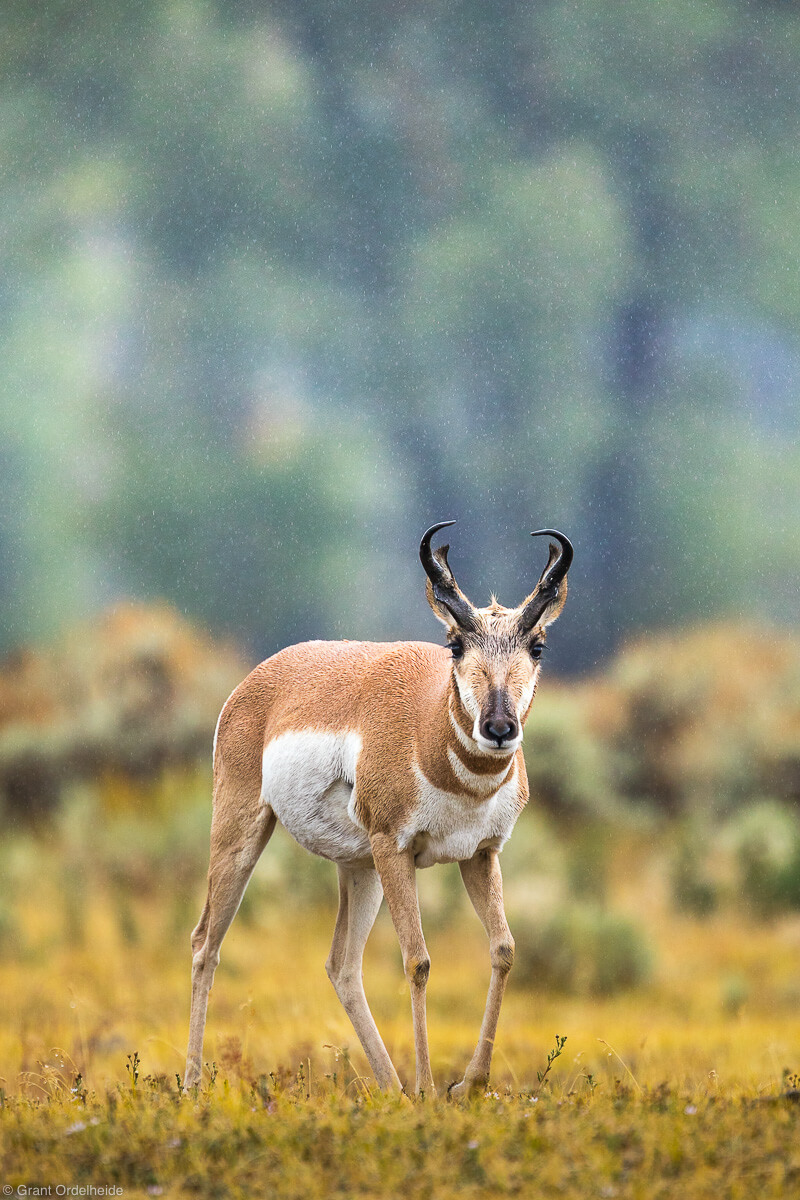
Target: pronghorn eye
{"x": 456, "y": 648}
{"x": 536, "y": 650}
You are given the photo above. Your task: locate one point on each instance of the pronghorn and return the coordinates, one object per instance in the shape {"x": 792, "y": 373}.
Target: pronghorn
{"x": 383, "y": 757}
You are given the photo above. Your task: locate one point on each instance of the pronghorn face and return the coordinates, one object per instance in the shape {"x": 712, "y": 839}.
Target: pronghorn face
{"x": 496, "y": 650}
{"x": 496, "y": 668}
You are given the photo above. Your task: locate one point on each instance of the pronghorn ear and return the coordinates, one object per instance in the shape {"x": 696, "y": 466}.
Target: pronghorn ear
{"x": 454, "y": 594}
{"x": 544, "y": 604}
{"x": 549, "y": 596}
{"x": 444, "y": 595}
{"x": 439, "y": 611}
{"x": 552, "y": 609}
{"x": 554, "y": 606}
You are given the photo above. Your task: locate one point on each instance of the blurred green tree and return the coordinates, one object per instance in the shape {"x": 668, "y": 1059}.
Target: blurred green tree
{"x": 353, "y": 264}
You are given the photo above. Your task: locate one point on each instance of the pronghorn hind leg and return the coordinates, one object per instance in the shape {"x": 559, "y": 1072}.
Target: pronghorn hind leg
{"x": 234, "y": 854}
{"x": 484, "y": 884}
{"x": 360, "y": 895}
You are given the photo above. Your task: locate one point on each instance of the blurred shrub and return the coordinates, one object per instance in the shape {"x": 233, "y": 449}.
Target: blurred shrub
{"x": 571, "y": 764}
{"x": 581, "y": 948}
{"x": 587, "y": 864}
{"x": 735, "y": 993}
{"x": 9, "y": 930}
{"x": 709, "y": 718}
{"x": 156, "y": 849}
{"x": 697, "y": 721}
{"x": 286, "y": 869}
{"x": 533, "y": 863}
{"x": 694, "y": 890}
{"x": 753, "y": 859}
{"x": 765, "y": 841}
{"x": 135, "y": 692}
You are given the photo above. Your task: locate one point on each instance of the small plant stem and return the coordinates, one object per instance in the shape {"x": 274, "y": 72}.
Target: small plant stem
{"x": 619, "y": 1058}
{"x": 551, "y": 1058}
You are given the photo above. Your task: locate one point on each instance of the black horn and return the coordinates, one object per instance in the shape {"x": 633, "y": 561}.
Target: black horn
{"x": 445, "y": 589}
{"x": 555, "y": 573}
{"x": 552, "y": 577}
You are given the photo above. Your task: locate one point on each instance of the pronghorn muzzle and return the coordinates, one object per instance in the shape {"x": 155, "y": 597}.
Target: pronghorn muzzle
{"x": 498, "y": 721}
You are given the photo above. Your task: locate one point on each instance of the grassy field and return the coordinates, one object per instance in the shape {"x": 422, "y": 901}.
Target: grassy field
{"x": 682, "y": 1086}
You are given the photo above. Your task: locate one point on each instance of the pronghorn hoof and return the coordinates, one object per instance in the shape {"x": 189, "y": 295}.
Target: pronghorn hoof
{"x": 465, "y": 1089}
{"x": 191, "y": 1082}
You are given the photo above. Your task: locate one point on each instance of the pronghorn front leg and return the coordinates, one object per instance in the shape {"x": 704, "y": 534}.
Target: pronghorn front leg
{"x": 398, "y": 877}
{"x": 484, "y": 884}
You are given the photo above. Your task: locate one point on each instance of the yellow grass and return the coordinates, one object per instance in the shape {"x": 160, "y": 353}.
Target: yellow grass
{"x": 682, "y": 1080}
{"x": 98, "y": 1003}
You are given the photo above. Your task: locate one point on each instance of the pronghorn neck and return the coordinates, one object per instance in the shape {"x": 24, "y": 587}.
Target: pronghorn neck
{"x": 449, "y": 756}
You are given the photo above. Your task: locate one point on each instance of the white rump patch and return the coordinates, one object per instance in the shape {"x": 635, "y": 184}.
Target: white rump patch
{"x": 445, "y": 827}
{"x": 308, "y": 780}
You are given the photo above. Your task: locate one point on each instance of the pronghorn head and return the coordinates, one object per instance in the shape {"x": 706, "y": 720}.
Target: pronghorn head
{"x": 496, "y": 650}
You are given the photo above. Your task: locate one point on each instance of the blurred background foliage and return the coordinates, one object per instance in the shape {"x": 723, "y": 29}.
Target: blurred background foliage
{"x": 284, "y": 283}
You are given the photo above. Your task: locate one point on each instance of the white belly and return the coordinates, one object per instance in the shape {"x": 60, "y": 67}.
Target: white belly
{"x": 445, "y": 827}
{"x": 308, "y": 780}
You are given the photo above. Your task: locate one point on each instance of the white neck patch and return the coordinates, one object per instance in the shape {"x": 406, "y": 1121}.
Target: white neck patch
{"x": 482, "y": 785}
{"x": 446, "y": 827}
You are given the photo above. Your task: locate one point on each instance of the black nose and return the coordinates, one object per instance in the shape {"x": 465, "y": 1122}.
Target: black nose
{"x": 499, "y": 729}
